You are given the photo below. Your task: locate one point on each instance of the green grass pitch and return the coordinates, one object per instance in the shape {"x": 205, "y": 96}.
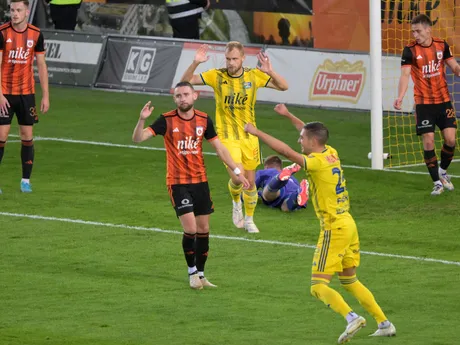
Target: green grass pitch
{"x": 71, "y": 278}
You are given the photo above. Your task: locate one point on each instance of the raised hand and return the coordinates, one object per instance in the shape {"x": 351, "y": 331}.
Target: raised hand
{"x": 201, "y": 54}
{"x": 265, "y": 64}
{"x": 281, "y": 109}
{"x": 146, "y": 111}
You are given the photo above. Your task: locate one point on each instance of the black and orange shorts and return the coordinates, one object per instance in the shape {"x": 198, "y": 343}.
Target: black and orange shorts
{"x": 193, "y": 197}
{"x": 24, "y": 108}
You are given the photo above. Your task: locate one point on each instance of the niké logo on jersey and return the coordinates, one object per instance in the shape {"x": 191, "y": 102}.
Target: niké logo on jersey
{"x": 431, "y": 68}
{"x": 18, "y": 55}
{"x": 236, "y": 99}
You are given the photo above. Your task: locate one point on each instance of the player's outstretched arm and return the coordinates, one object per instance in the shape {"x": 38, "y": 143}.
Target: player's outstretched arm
{"x": 201, "y": 56}
{"x": 140, "y": 133}
{"x": 276, "y": 82}
{"x": 225, "y": 157}
{"x": 402, "y": 86}
{"x": 284, "y": 111}
{"x": 276, "y": 145}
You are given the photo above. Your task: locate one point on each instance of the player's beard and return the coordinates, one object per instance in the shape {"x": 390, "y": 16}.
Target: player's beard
{"x": 186, "y": 107}
{"x": 233, "y": 70}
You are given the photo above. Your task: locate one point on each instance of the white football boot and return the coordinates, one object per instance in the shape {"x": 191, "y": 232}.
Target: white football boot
{"x": 437, "y": 189}
{"x": 446, "y": 182}
{"x": 389, "y": 331}
{"x": 352, "y": 328}
{"x": 195, "y": 281}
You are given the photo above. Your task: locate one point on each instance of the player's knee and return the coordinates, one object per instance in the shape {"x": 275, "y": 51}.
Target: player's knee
{"x": 318, "y": 285}
{"x": 317, "y": 288}
{"x": 450, "y": 142}
{"x": 203, "y": 229}
{"x": 428, "y": 141}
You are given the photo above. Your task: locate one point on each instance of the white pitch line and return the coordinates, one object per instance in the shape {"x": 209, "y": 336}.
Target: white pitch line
{"x": 107, "y": 144}
{"x": 222, "y": 237}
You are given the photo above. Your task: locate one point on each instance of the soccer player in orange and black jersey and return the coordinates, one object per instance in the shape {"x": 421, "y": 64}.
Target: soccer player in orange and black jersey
{"x": 20, "y": 42}
{"x": 184, "y": 130}
{"x": 425, "y": 60}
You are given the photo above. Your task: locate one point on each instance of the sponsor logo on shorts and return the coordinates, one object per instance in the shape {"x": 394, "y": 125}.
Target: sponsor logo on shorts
{"x": 424, "y": 124}
{"x": 185, "y": 203}
{"x": 338, "y": 81}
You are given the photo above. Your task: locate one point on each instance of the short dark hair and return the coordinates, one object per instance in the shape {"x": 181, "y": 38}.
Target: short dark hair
{"x": 273, "y": 160}
{"x": 318, "y": 130}
{"x": 184, "y": 83}
{"x": 422, "y": 19}
{"x": 26, "y": 2}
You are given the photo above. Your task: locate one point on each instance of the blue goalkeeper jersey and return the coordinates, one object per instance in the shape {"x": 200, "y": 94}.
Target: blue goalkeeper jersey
{"x": 264, "y": 176}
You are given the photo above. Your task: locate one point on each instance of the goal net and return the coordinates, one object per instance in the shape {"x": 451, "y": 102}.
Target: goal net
{"x": 403, "y": 146}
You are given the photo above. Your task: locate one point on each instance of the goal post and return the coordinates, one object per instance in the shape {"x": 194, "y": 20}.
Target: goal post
{"x": 376, "y": 85}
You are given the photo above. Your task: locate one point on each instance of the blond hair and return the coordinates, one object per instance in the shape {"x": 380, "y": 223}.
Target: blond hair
{"x": 235, "y": 45}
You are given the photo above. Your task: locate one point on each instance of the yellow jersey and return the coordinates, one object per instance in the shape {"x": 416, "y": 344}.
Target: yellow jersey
{"x": 328, "y": 191}
{"x": 235, "y": 99}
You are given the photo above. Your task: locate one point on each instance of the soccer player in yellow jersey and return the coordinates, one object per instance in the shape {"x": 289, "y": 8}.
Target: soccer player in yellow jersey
{"x": 235, "y": 89}
{"x": 337, "y": 250}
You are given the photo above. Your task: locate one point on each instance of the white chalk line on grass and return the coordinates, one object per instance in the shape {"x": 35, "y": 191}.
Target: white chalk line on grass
{"x": 222, "y": 237}
{"x": 101, "y": 143}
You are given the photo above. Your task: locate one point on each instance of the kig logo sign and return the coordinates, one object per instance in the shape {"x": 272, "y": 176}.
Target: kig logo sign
{"x": 139, "y": 65}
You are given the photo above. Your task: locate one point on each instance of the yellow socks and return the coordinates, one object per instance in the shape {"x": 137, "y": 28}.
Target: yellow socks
{"x": 329, "y": 297}
{"x": 235, "y": 191}
{"x": 250, "y": 201}
{"x": 364, "y": 296}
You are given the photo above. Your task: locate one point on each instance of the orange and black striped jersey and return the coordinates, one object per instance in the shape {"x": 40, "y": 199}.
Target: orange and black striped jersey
{"x": 18, "y": 50}
{"x": 428, "y": 70}
{"x": 184, "y": 145}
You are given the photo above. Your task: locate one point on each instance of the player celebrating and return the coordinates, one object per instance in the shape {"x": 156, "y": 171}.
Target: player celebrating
{"x": 278, "y": 188}
{"x": 424, "y": 59}
{"x": 338, "y": 245}
{"x": 184, "y": 129}
{"x": 20, "y": 42}
{"x": 235, "y": 90}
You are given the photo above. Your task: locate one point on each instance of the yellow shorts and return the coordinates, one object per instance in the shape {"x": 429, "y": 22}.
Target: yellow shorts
{"x": 337, "y": 248}
{"x": 244, "y": 151}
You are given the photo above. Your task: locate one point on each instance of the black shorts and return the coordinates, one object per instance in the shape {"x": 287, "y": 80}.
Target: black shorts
{"x": 430, "y": 115}
{"x": 24, "y": 108}
{"x": 194, "y": 197}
